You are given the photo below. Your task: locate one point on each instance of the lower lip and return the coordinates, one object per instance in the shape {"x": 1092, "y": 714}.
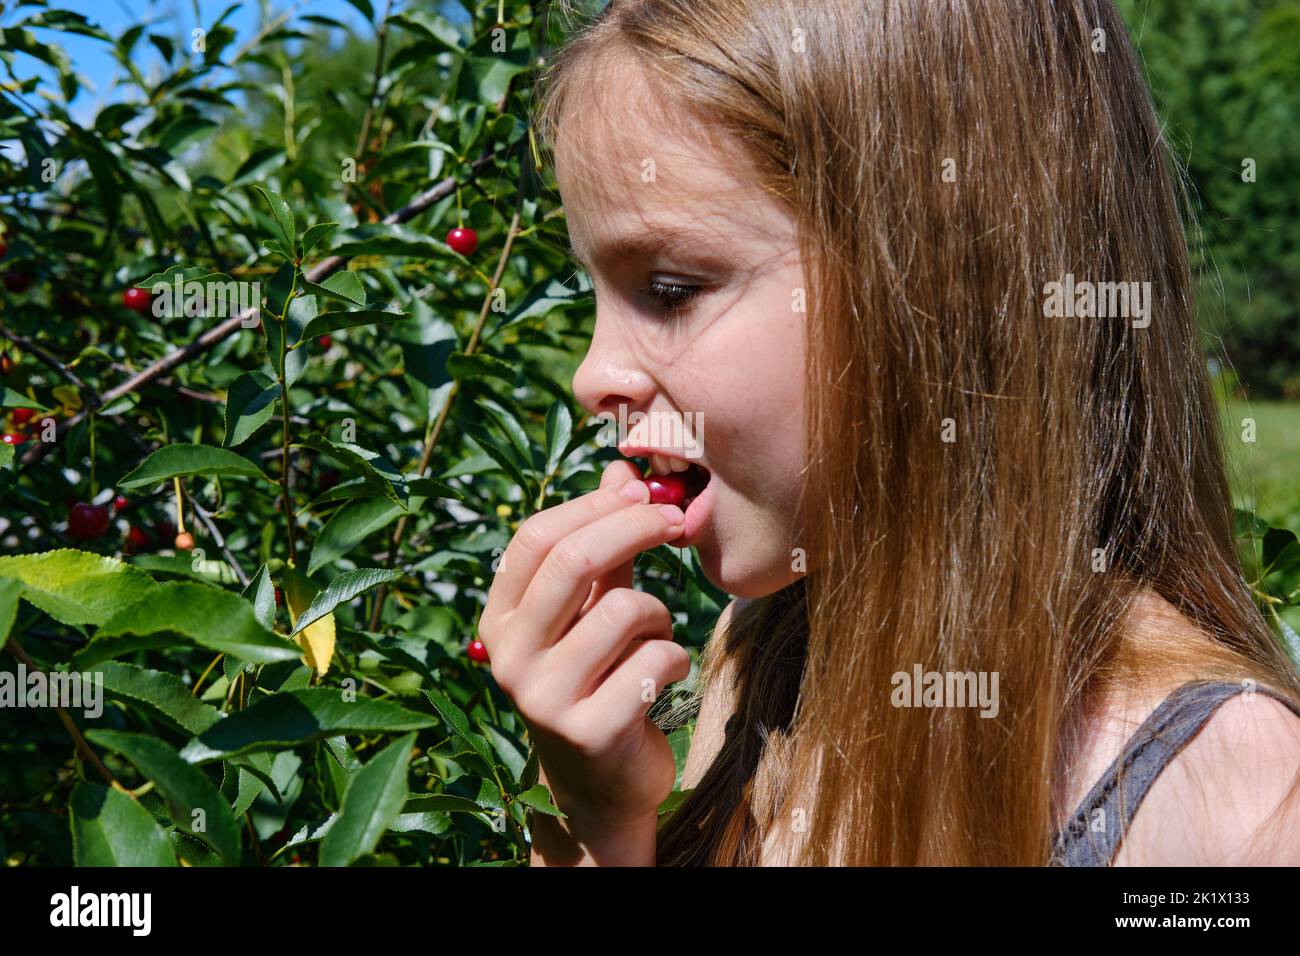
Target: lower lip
{"x": 697, "y": 514}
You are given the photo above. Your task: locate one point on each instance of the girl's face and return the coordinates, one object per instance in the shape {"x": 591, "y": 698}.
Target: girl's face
{"x": 662, "y": 216}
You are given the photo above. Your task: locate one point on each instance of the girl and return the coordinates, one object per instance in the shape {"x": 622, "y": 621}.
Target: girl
{"x": 919, "y": 270}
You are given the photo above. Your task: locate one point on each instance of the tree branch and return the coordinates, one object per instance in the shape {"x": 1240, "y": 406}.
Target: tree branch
{"x": 218, "y": 334}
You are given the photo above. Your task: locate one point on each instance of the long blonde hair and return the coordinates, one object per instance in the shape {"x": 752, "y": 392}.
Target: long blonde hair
{"x": 993, "y": 484}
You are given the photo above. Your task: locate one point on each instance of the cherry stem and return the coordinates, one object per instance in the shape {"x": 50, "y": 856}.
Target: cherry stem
{"x": 180, "y": 510}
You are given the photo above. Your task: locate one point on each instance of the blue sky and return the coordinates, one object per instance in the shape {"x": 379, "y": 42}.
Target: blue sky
{"x": 174, "y": 19}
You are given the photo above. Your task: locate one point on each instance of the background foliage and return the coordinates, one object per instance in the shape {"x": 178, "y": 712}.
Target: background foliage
{"x": 351, "y": 467}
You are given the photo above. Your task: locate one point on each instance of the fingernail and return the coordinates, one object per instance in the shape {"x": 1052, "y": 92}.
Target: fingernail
{"x": 635, "y": 491}
{"x": 672, "y": 513}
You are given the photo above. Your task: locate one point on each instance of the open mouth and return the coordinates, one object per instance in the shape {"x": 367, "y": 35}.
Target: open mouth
{"x": 697, "y": 476}
{"x": 678, "y": 487}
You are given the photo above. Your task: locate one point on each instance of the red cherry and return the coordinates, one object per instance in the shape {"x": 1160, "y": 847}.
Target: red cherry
{"x": 120, "y": 503}
{"x": 325, "y": 343}
{"x": 463, "y": 240}
{"x": 279, "y": 598}
{"x": 4, "y": 248}
{"x": 137, "y": 539}
{"x": 23, "y": 415}
{"x": 185, "y": 541}
{"x": 477, "y": 652}
{"x": 667, "y": 489}
{"x": 138, "y": 300}
{"x": 87, "y": 521}
{"x": 17, "y": 281}
{"x": 6, "y": 363}
{"x": 13, "y": 438}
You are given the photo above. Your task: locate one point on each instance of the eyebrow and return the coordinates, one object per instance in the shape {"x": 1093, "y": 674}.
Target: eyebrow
{"x": 652, "y": 241}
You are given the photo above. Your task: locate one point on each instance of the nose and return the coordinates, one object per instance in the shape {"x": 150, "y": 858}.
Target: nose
{"x": 610, "y": 376}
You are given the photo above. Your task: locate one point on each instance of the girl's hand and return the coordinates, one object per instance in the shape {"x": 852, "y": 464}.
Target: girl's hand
{"x": 583, "y": 655}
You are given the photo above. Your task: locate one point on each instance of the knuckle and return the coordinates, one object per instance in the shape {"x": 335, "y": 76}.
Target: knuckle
{"x": 621, "y": 607}
{"x": 668, "y": 661}
{"x": 638, "y": 610}
{"x": 569, "y": 561}
{"x": 505, "y": 674}
{"x": 579, "y": 735}
{"x": 531, "y": 536}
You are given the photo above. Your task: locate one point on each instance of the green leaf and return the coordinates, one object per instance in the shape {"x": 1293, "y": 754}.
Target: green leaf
{"x": 559, "y": 429}
{"x": 158, "y": 694}
{"x": 349, "y": 526}
{"x": 485, "y": 78}
{"x": 315, "y": 234}
{"x": 373, "y": 467}
{"x": 179, "y": 460}
{"x": 539, "y": 798}
{"x": 509, "y": 462}
{"x": 261, "y": 591}
{"x": 283, "y": 216}
{"x": 342, "y": 286}
{"x": 257, "y": 165}
{"x": 543, "y": 299}
{"x": 250, "y": 402}
{"x": 185, "y": 611}
{"x": 333, "y": 321}
{"x": 440, "y": 803}
{"x": 1276, "y": 541}
{"x": 188, "y": 565}
{"x": 299, "y": 716}
{"x": 673, "y": 801}
{"x": 180, "y": 275}
{"x": 373, "y": 799}
{"x": 10, "y": 591}
{"x": 241, "y": 787}
{"x": 460, "y": 365}
{"x": 11, "y": 399}
{"x": 433, "y": 26}
{"x": 433, "y": 488}
{"x": 1282, "y": 571}
{"x": 509, "y": 425}
{"x": 341, "y": 590}
{"x": 185, "y": 132}
{"x": 456, "y": 720}
{"x": 109, "y": 828}
{"x": 186, "y": 788}
{"x": 76, "y": 587}
{"x": 381, "y": 239}
{"x": 365, "y": 9}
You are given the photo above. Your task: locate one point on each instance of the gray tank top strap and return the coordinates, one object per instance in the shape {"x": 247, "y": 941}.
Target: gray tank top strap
{"x": 1092, "y": 836}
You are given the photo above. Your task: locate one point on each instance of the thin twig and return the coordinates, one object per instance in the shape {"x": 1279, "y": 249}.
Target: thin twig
{"x": 91, "y": 757}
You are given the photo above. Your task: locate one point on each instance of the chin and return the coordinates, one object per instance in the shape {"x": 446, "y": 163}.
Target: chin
{"x": 743, "y": 579}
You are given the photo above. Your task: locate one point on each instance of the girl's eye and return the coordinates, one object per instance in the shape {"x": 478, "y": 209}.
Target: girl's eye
{"x": 673, "y": 297}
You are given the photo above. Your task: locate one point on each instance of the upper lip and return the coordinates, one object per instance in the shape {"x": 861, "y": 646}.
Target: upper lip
{"x": 638, "y": 451}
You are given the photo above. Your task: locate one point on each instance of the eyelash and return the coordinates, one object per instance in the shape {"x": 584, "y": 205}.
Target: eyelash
{"x": 674, "y": 298}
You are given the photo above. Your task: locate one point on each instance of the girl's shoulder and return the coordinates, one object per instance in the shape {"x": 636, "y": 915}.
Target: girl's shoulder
{"x": 1203, "y": 773}
{"x": 1230, "y": 796}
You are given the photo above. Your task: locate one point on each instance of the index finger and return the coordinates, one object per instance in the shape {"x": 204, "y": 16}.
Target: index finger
{"x": 540, "y": 533}
{"x": 617, "y": 474}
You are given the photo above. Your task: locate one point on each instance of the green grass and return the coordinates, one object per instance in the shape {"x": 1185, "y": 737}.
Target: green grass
{"x": 1265, "y": 475}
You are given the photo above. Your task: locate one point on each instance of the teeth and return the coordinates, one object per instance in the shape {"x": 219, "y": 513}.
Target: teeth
{"x": 678, "y": 464}
{"x": 659, "y": 464}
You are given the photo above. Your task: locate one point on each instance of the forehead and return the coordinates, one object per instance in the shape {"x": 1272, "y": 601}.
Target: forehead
{"x": 636, "y": 171}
